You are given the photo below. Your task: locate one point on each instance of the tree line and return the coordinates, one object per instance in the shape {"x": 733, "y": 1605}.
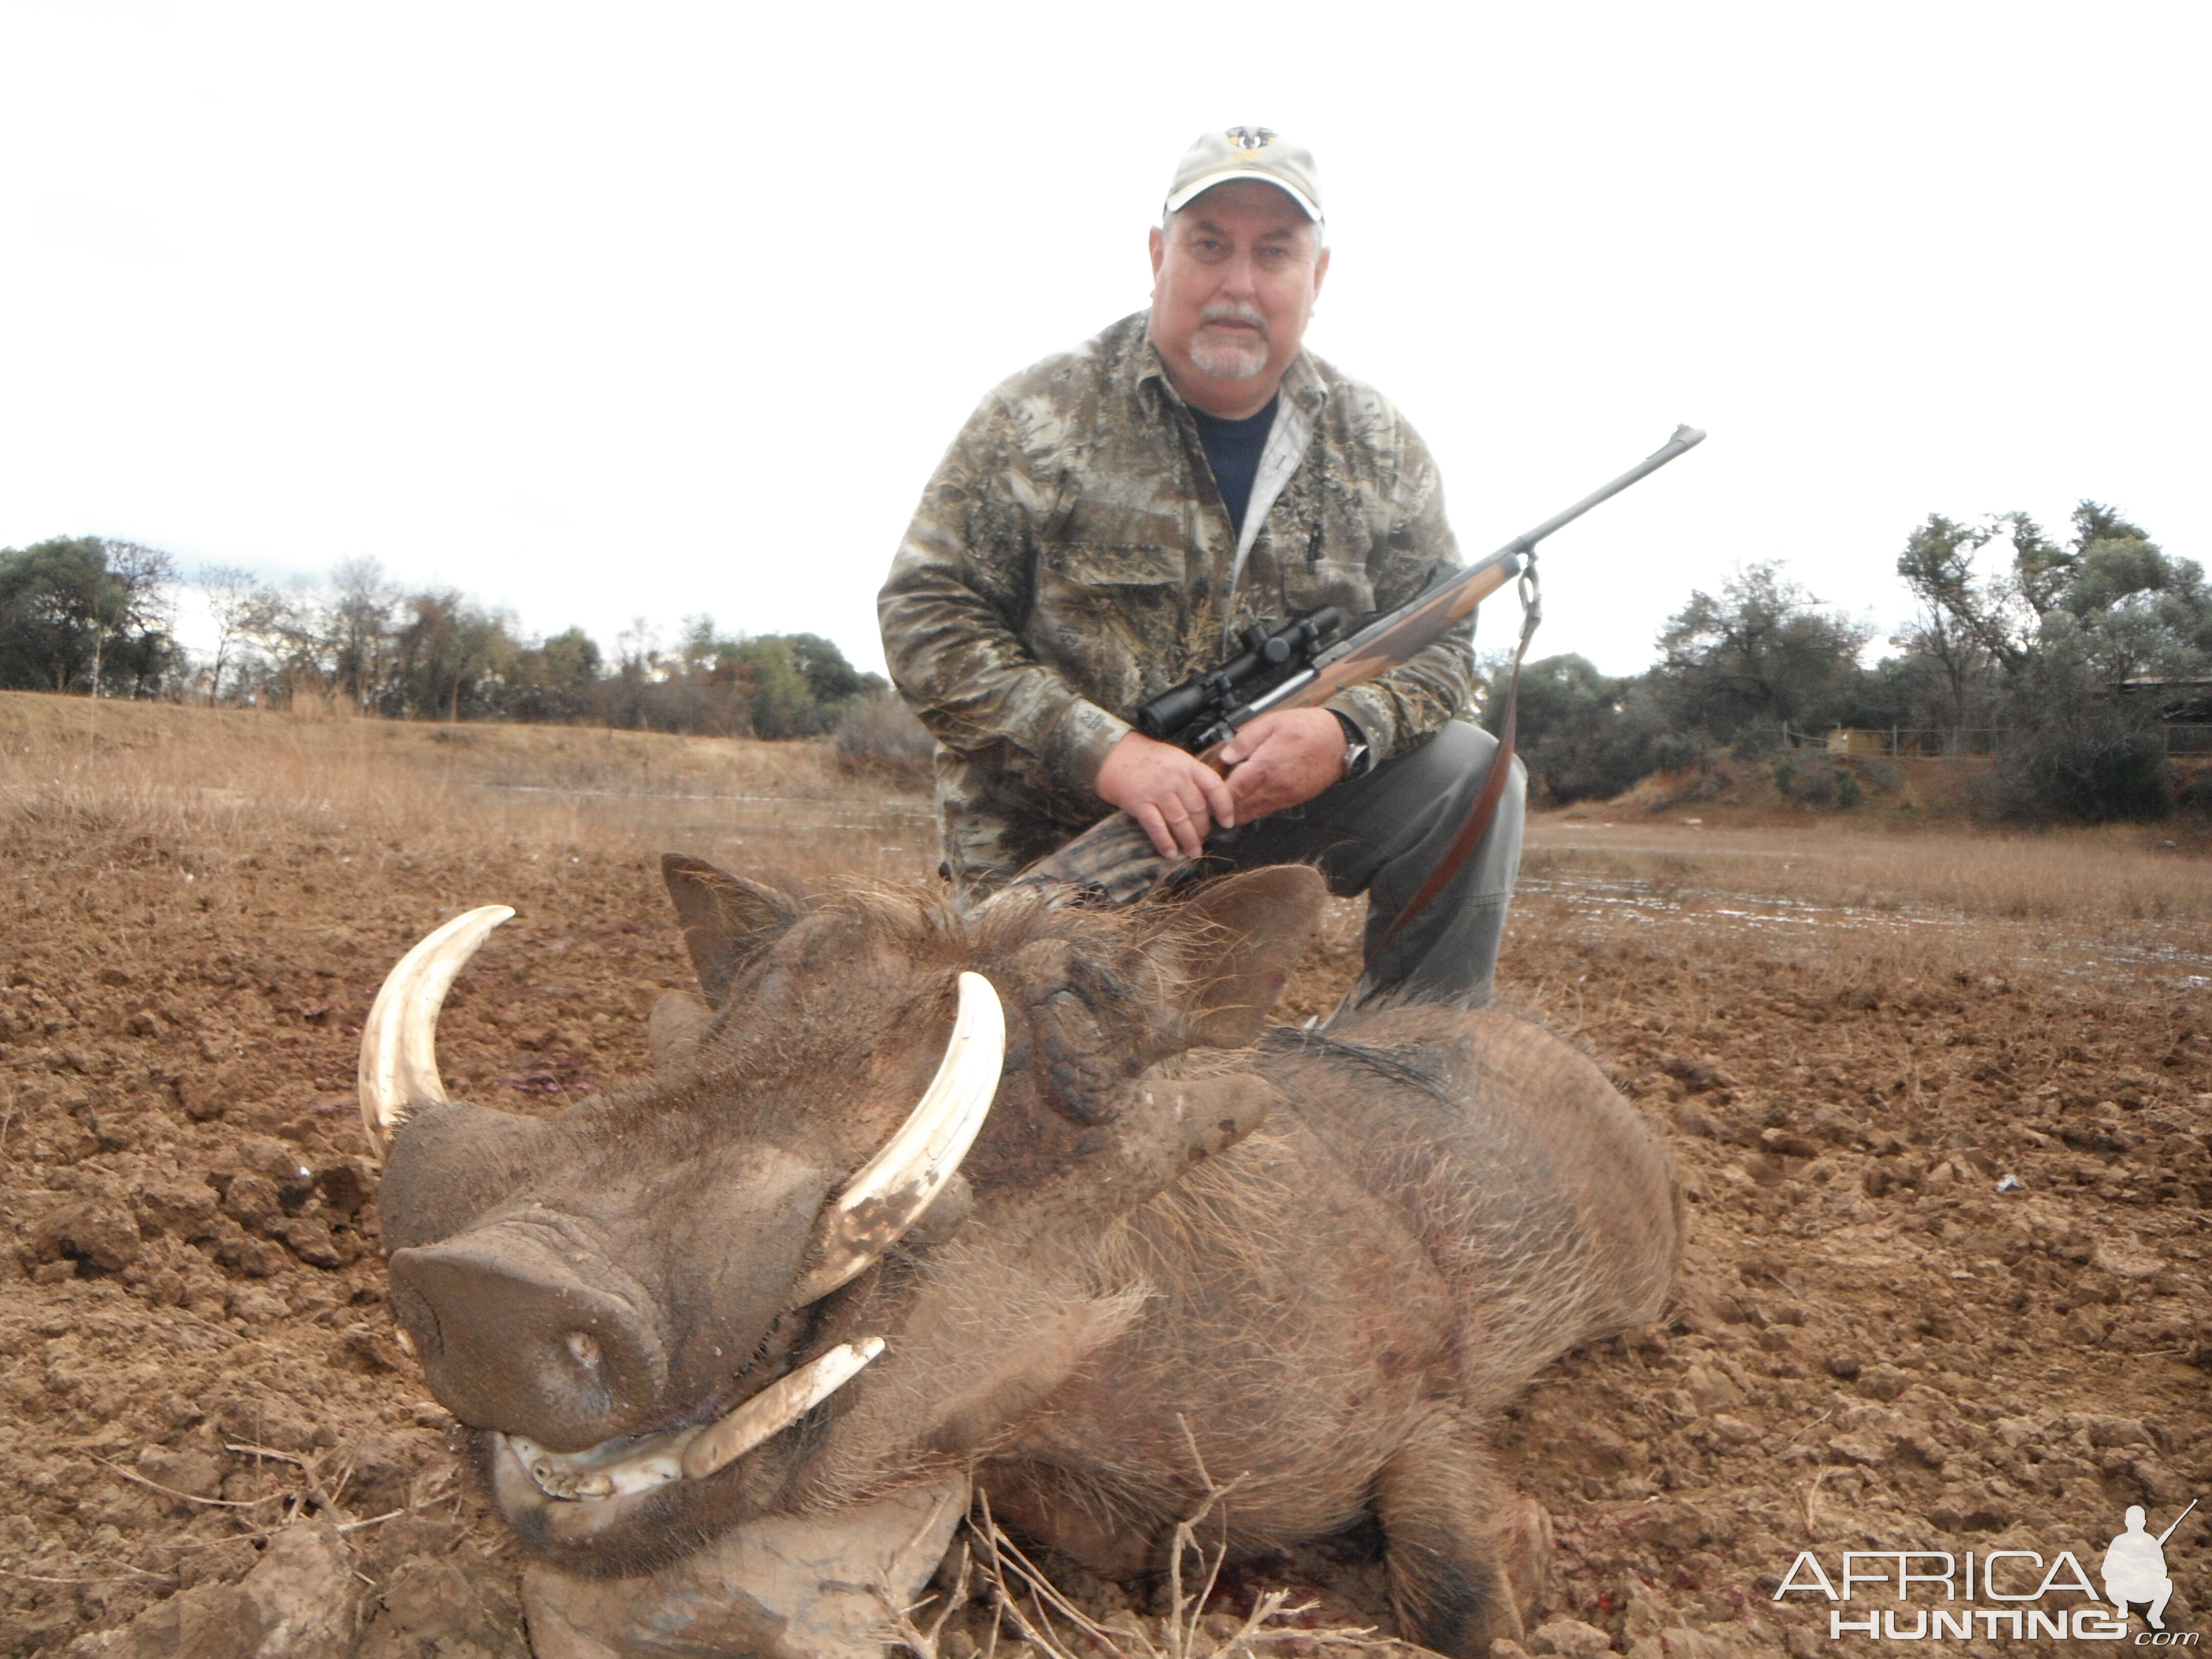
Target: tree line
{"x": 81, "y": 612}
{"x": 2061, "y": 658}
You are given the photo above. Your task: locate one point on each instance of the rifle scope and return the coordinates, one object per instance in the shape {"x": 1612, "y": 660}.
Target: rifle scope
{"x": 1217, "y": 690}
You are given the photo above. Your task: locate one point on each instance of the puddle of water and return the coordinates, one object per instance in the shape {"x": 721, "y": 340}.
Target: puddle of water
{"x": 1638, "y": 899}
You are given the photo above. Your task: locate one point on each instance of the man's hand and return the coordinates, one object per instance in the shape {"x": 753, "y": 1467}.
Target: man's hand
{"x": 1282, "y": 759}
{"x": 1175, "y": 800}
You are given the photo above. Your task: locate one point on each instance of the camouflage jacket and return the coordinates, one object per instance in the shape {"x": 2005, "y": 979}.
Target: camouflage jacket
{"x": 1072, "y": 557}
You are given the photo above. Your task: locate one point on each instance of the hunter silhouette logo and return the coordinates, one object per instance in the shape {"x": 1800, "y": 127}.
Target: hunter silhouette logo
{"x": 2017, "y": 1581}
{"x": 2134, "y": 1566}
{"x": 1250, "y": 137}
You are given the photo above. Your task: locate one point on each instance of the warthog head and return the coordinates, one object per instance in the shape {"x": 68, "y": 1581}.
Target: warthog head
{"x": 644, "y": 1305}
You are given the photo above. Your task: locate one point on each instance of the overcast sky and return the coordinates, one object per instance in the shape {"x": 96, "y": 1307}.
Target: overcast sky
{"x": 600, "y": 312}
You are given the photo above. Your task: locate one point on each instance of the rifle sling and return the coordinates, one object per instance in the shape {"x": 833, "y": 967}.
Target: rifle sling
{"x": 1478, "y": 818}
{"x": 1501, "y": 766}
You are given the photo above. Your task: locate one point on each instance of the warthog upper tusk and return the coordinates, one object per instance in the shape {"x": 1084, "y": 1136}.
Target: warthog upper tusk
{"x": 399, "y": 1039}
{"x": 891, "y": 1189}
{"x": 775, "y": 1408}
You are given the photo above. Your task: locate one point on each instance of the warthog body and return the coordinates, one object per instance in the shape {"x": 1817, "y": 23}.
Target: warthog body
{"x": 1330, "y": 1256}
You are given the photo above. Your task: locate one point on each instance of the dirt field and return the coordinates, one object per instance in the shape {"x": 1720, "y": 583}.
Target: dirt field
{"x": 1940, "y": 1101}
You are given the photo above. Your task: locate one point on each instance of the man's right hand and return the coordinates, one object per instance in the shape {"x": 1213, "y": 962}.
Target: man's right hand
{"x": 1175, "y": 800}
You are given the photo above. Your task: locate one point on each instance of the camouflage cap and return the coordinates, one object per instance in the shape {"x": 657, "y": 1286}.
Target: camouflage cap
{"x": 1247, "y": 153}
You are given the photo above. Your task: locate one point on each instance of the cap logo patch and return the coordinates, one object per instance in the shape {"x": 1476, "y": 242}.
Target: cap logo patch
{"x": 1249, "y": 137}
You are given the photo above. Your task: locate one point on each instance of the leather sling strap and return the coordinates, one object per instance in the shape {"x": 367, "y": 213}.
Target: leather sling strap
{"x": 1494, "y": 784}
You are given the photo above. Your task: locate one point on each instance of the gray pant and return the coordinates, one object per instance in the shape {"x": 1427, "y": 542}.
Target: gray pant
{"x": 1382, "y": 835}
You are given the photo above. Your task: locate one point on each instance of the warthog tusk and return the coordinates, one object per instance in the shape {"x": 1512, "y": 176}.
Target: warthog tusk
{"x": 399, "y": 1039}
{"x": 621, "y": 1468}
{"x": 775, "y": 1408}
{"x": 891, "y": 1189}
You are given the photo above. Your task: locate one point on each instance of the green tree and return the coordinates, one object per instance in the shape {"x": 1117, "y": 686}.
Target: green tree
{"x": 2050, "y": 640}
{"x": 83, "y": 611}
{"x": 764, "y": 686}
{"x": 557, "y": 679}
{"x": 1951, "y": 639}
{"x": 1764, "y": 652}
{"x": 447, "y": 655}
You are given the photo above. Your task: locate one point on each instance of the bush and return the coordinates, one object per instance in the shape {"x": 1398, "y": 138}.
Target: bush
{"x": 2078, "y": 753}
{"x": 880, "y": 734}
{"x": 1880, "y": 776}
{"x": 2088, "y": 776}
{"x": 1818, "y": 783}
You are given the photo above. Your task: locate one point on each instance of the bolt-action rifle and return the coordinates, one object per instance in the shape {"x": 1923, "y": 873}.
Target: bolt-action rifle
{"x": 1289, "y": 666}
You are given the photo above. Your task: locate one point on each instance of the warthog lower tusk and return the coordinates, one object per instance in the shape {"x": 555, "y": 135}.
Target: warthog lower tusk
{"x": 891, "y": 1189}
{"x": 614, "y": 1470}
{"x": 775, "y": 1408}
{"x": 621, "y": 1468}
{"x": 399, "y": 1039}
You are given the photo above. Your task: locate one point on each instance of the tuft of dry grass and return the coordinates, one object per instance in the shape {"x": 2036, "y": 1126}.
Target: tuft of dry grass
{"x": 994, "y": 1573}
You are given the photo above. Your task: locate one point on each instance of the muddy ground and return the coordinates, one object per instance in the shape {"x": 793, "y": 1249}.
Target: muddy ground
{"x": 1945, "y": 1288}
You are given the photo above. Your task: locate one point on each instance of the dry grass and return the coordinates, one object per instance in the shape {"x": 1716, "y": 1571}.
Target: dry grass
{"x": 1882, "y": 911}
{"x": 230, "y": 781}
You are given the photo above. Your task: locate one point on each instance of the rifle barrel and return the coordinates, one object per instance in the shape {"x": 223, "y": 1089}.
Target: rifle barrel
{"x": 1510, "y": 555}
{"x": 1685, "y": 438}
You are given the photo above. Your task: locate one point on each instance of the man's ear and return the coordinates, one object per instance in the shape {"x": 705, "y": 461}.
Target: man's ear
{"x": 1235, "y": 942}
{"x": 725, "y": 919}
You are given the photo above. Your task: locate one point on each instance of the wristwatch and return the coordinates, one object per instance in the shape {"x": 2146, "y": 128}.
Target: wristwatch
{"x": 1358, "y": 756}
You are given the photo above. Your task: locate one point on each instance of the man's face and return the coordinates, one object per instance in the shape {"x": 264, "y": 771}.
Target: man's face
{"x": 1235, "y": 276}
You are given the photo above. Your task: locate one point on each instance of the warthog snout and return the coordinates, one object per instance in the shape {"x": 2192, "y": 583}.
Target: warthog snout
{"x": 520, "y": 1328}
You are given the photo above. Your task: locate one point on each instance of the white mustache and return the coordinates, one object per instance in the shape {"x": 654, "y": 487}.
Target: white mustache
{"x": 1229, "y": 311}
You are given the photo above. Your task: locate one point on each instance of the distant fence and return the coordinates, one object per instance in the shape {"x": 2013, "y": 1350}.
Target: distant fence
{"x": 1959, "y": 743}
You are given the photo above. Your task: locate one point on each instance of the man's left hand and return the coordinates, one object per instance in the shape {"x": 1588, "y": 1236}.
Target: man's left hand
{"x": 1282, "y": 759}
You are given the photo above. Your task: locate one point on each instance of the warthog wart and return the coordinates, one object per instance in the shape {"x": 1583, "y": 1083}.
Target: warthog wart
{"x": 767, "y": 1282}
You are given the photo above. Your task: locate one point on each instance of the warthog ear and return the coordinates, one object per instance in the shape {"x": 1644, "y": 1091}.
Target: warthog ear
{"x": 725, "y": 919}
{"x": 1237, "y": 940}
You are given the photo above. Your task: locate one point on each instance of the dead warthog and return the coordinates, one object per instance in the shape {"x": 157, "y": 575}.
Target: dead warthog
{"x": 767, "y": 1282}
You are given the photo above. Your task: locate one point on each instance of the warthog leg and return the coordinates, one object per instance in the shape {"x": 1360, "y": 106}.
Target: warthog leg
{"x": 1437, "y": 1500}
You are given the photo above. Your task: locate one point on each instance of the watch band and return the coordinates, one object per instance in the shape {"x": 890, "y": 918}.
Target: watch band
{"x": 1358, "y": 756}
